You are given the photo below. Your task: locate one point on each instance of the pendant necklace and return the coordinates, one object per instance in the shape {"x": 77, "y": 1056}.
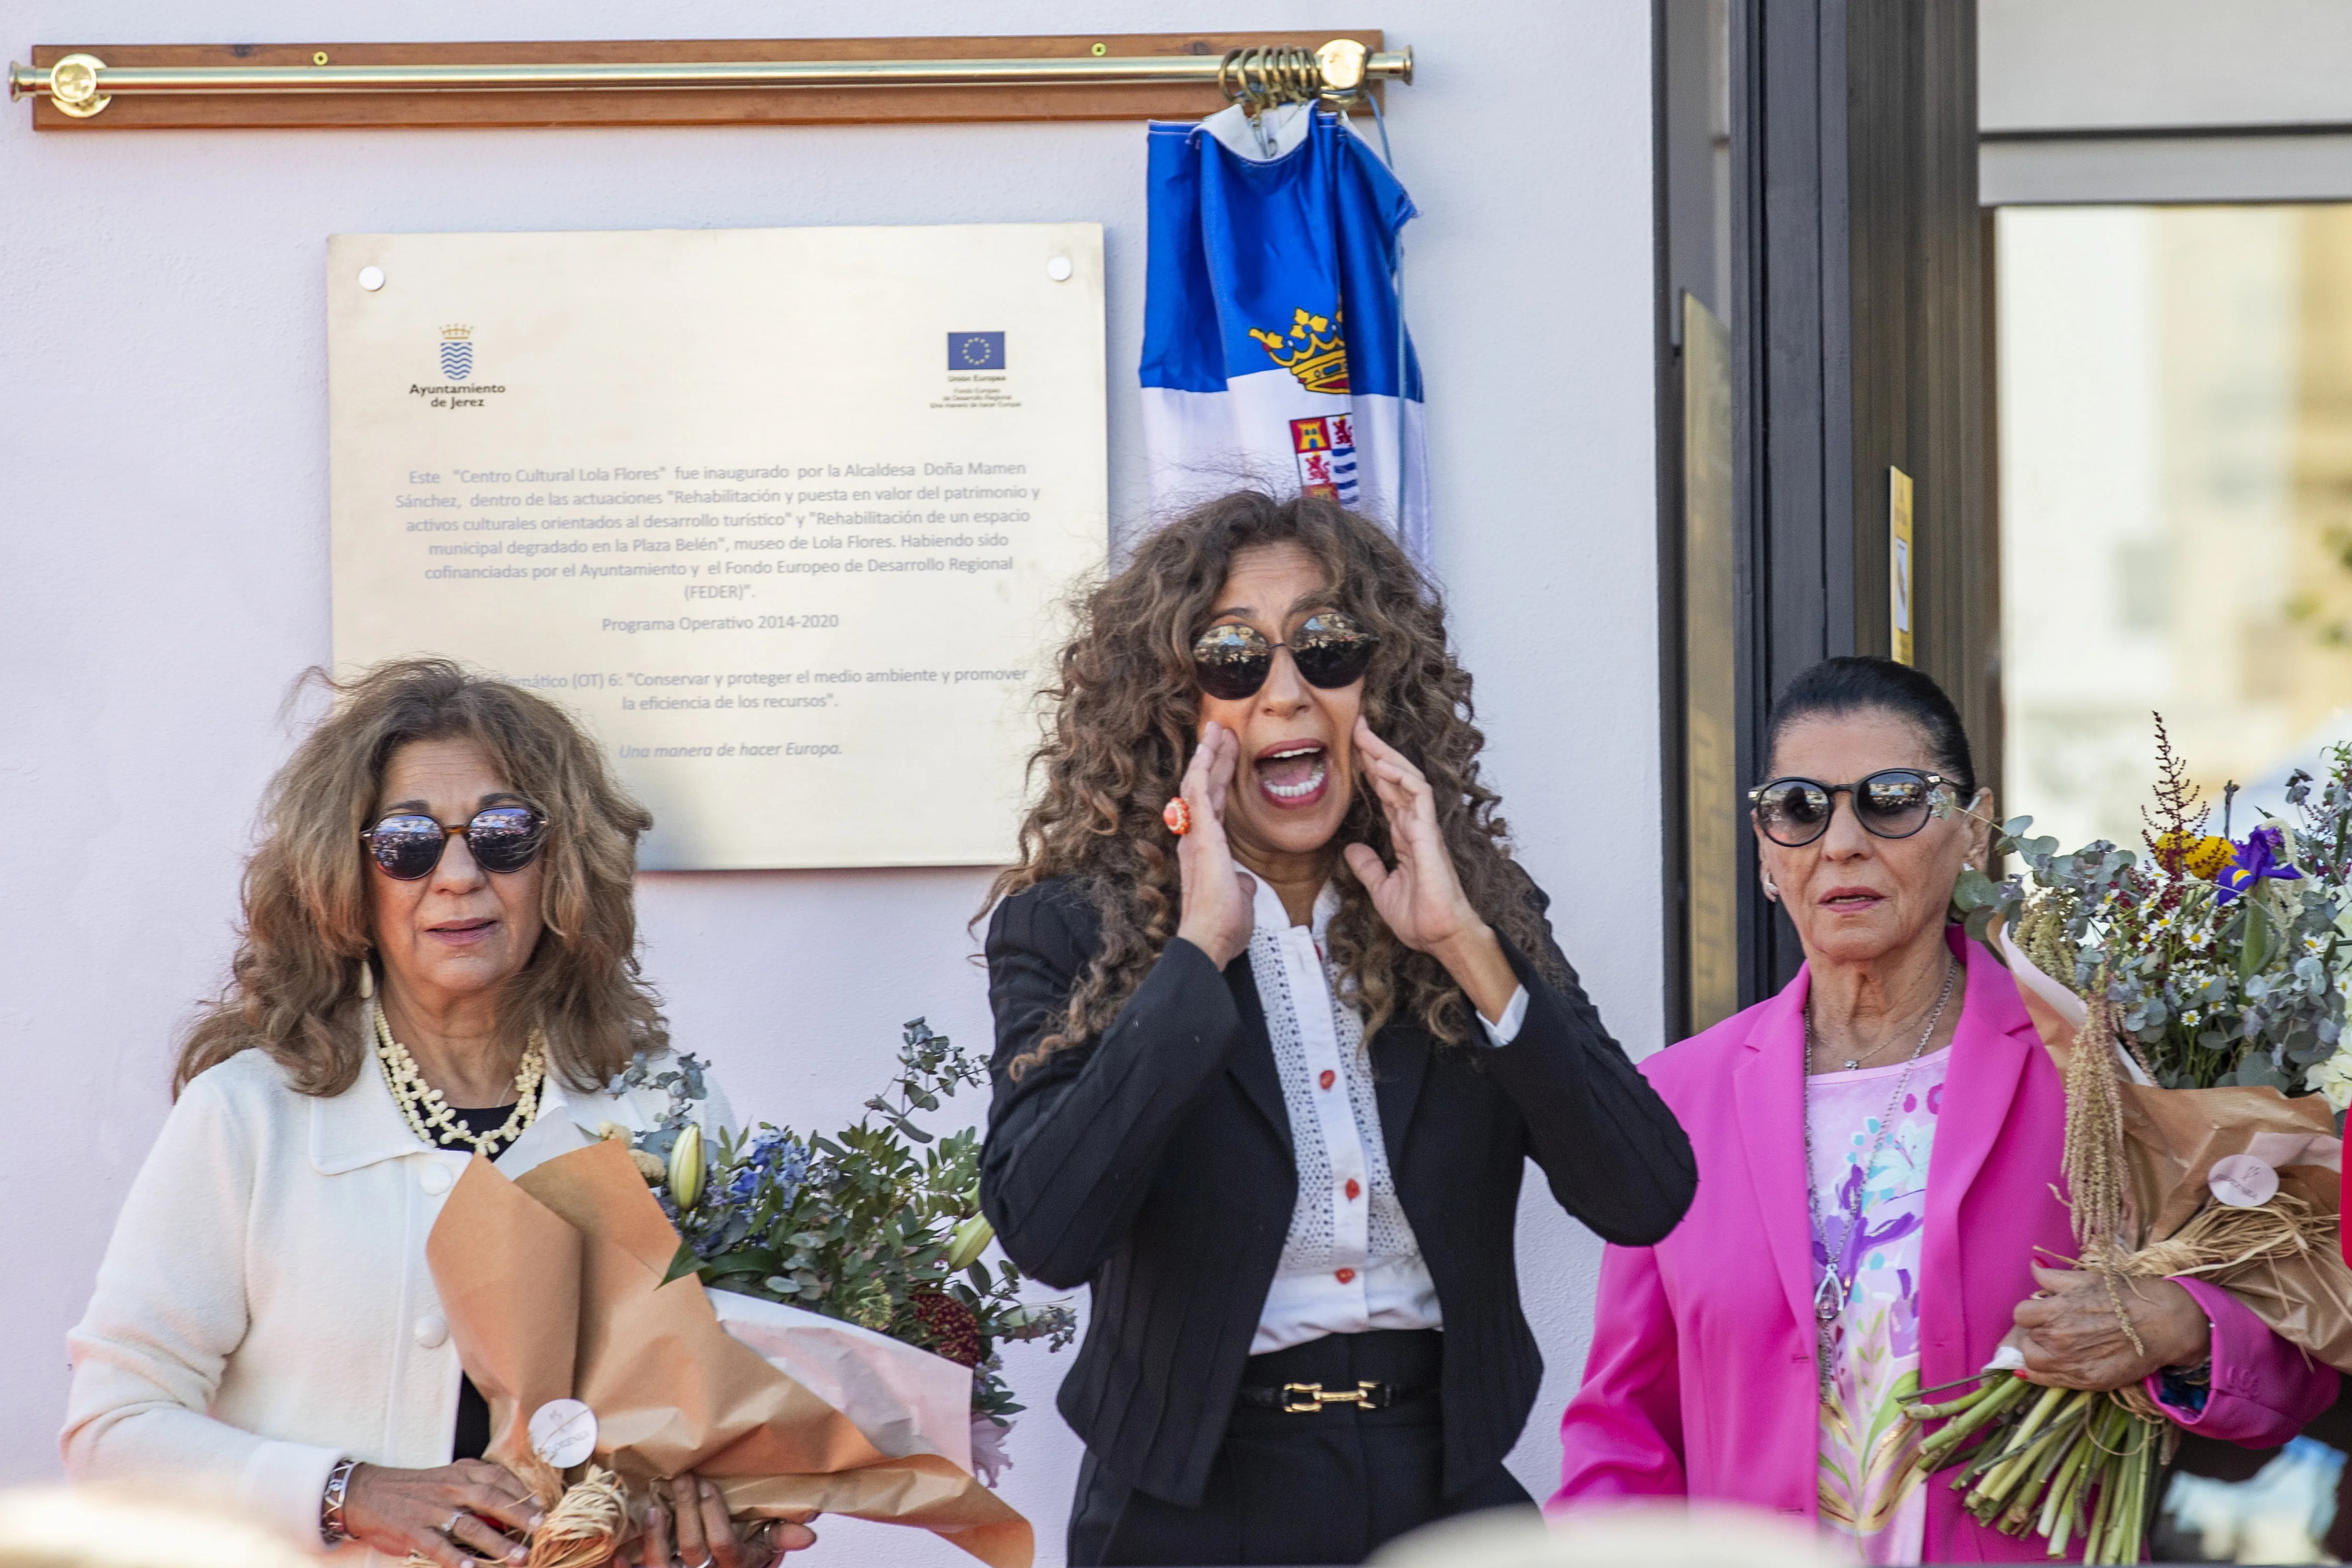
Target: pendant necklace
{"x": 1830, "y": 1295}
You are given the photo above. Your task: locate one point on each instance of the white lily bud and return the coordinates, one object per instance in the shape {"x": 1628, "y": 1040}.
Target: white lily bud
{"x": 685, "y": 1167}
{"x": 971, "y": 1238}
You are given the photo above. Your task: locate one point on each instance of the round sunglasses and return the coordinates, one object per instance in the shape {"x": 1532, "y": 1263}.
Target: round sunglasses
{"x": 1893, "y": 803}
{"x": 1231, "y": 661}
{"x": 407, "y": 845}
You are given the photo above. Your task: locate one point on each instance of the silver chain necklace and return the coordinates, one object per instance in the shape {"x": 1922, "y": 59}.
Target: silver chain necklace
{"x": 1830, "y": 1295}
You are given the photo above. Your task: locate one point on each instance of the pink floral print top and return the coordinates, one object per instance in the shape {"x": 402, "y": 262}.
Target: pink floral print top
{"x": 1868, "y": 1220}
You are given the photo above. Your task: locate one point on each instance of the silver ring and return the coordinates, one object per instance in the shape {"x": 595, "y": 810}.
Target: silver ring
{"x": 449, "y": 1528}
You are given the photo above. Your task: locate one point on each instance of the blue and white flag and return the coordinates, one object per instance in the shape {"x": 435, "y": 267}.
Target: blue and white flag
{"x": 1274, "y": 353}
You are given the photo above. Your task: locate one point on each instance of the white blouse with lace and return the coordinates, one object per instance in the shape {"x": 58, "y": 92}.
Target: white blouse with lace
{"x": 1350, "y": 1262}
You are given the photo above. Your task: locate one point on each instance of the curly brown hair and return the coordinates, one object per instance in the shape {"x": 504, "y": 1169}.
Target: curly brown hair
{"x": 1124, "y": 715}
{"x": 293, "y": 984}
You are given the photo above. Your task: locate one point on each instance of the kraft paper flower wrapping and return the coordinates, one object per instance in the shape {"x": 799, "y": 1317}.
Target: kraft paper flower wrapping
{"x": 2172, "y": 1138}
{"x": 552, "y": 1285}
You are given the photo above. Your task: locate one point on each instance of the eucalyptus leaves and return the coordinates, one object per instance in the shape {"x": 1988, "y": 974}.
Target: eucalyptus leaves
{"x": 2226, "y": 962}
{"x": 878, "y": 1224}
{"x": 2220, "y": 965}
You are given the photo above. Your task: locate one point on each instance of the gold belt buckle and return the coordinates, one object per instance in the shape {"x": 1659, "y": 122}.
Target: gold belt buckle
{"x": 1309, "y": 1398}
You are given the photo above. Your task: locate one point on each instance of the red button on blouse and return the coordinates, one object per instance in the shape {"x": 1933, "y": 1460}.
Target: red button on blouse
{"x": 1346, "y": 1276}
{"x": 1353, "y": 1188}
{"x": 1329, "y": 1076}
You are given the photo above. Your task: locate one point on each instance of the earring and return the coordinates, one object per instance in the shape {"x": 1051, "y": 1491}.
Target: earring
{"x": 1771, "y": 889}
{"x": 367, "y": 981}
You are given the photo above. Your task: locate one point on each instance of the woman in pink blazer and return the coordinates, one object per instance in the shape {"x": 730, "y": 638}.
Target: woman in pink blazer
{"x": 1877, "y": 1148}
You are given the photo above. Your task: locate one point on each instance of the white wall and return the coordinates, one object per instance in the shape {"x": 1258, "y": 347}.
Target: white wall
{"x": 2054, "y": 76}
{"x": 2068, "y": 64}
{"x": 164, "y": 550}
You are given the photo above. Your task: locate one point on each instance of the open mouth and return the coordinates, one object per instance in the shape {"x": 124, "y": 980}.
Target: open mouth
{"x": 1851, "y": 899}
{"x": 1294, "y": 774}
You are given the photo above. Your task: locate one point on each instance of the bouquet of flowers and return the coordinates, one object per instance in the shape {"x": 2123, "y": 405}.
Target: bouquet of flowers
{"x": 807, "y": 1322}
{"x": 603, "y": 1377}
{"x": 877, "y": 1225}
{"x": 2195, "y": 1001}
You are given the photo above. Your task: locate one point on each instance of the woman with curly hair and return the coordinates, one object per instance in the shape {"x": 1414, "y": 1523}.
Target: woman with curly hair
{"x": 438, "y": 960}
{"x": 1278, "y": 1022}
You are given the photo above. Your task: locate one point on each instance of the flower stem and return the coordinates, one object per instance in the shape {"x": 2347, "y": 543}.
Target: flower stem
{"x": 1982, "y": 1406}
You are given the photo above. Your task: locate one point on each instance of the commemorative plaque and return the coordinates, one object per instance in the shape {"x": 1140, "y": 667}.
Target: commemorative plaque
{"x": 785, "y": 516}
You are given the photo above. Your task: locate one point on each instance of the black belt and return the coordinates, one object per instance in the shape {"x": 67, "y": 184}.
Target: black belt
{"x": 1309, "y": 1398}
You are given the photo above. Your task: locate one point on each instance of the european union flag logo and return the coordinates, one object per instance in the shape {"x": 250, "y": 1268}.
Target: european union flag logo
{"x": 975, "y": 351}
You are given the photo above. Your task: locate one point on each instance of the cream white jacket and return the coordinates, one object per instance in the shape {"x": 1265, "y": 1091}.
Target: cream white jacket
{"x": 264, "y": 1308}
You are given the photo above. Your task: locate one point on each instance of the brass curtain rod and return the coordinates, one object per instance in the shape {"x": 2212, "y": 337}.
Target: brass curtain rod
{"x": 82, "y": 85}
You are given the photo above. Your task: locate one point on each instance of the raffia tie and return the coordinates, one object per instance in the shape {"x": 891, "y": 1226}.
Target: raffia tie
{"x": 2220, "y": 1240}
{"x": 579, "y": 1531}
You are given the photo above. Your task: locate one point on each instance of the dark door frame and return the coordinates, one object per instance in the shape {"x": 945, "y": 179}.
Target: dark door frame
{"x": 1859, "y": 328}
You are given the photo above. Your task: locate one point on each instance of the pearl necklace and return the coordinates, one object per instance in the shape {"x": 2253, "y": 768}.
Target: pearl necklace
{"x": 429, "y": 1115}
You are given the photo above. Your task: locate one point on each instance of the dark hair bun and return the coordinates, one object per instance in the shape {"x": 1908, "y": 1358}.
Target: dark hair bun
{"x": 1857, "y": 684}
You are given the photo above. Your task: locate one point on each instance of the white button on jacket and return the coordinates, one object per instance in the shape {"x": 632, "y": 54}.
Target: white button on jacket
{"x": 264, "y": 1308}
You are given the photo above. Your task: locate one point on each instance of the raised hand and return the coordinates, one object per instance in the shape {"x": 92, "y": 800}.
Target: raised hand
{"x": 1219, "y": 895}
{"x": 1421, "y": 898}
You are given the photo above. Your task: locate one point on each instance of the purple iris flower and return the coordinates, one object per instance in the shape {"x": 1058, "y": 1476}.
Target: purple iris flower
{"x": 2257, "y": 858}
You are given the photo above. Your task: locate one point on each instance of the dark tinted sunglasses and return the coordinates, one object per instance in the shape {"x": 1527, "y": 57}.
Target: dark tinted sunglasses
{"x": 1231, "y": 661}
{"x": 407, "y": 845}
{"x": 1894, "y": 803}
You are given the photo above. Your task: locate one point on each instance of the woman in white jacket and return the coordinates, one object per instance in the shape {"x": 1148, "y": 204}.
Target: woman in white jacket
{"x": 438, "y": 958}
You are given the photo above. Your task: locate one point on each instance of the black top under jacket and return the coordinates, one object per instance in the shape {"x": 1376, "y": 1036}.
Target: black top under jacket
{"x": 1154, "y": 1164}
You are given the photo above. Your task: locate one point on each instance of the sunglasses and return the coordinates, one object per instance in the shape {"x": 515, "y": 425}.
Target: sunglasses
{"x": 1231, "y": 661}
{"x": 407, "y": 845}
{"x": 1894, "y": 803}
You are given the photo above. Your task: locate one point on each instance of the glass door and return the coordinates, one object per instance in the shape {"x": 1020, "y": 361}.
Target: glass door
{"x": 2174, "y": 392}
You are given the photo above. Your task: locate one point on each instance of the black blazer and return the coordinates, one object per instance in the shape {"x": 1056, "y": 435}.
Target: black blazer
{"x": 1154, "y": 1164}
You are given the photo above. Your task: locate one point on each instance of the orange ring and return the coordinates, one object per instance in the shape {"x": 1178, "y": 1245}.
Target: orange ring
{"x": 1178, "y": 814}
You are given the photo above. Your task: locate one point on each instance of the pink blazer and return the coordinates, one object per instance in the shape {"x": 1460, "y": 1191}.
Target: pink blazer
{"x": 1701, "y": 1380}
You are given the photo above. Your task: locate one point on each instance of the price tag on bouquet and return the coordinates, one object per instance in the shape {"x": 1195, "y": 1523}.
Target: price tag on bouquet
{"x": 2242, "y": 1180}
{"x": 563, "y": 1433}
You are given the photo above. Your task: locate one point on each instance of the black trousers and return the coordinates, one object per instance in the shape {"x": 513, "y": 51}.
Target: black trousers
{"x": 1326, "y": 1489}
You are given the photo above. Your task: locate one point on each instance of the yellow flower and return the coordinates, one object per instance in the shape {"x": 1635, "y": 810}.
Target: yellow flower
{"x": 2199, "y": 856}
